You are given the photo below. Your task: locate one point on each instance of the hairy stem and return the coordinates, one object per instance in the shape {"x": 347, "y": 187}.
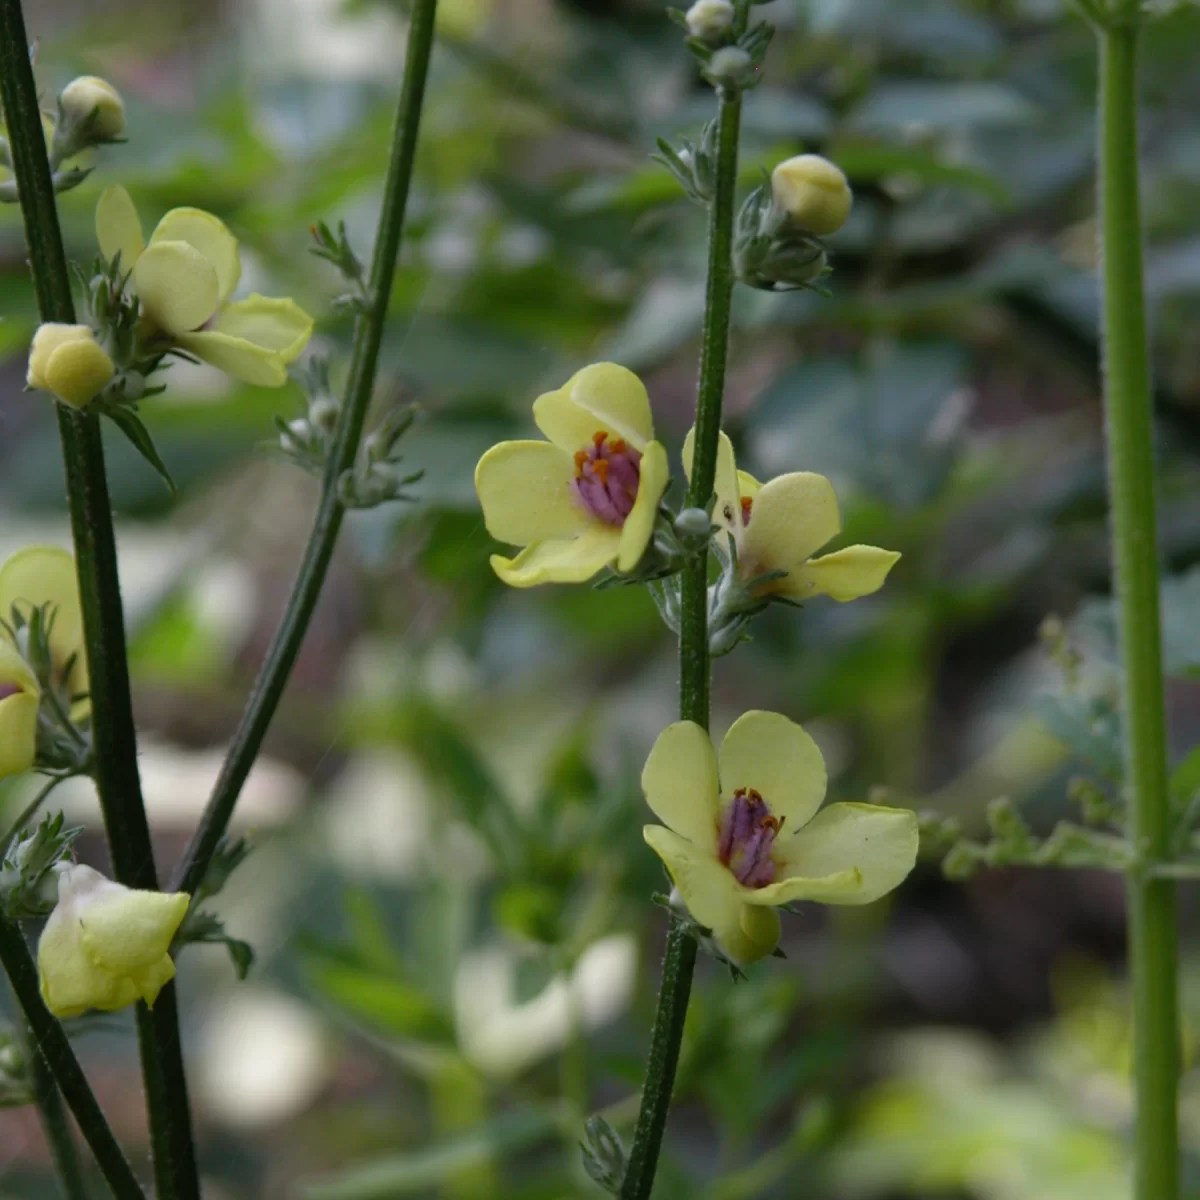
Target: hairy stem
{"x": 694, "y": 672}
{"x": 368, "y": 336}
{"x": 1128, "y": 407}
{"x": 55, "y": 1052}
{"x": 114, "y": 735}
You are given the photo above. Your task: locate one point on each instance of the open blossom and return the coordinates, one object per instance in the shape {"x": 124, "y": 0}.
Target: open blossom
{"x": 68, "y": 362}
{"x": 19, "y": 700}
{"x": 106, "y": 945}
{"x": 587, "y": 498}
{"x": 780, "y": 525}
{"x": 40, "y": 576}
{"x": 744, "y": 835}
{"x": 184, "y": 277}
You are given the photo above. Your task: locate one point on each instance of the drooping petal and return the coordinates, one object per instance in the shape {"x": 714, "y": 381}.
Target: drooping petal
{"x": 151, "y": 980}
{"x": 792, "y": 518}
{"x": 680, "y": 783}
{"x": 210, "y": 237}
{"x": 845, "y": 575}
{"x": 237, "y": 357}
{"x": 777, "y": 758}
{"x": 848, "y": 854}
{"x": 712, "y": 895}
{"x": 726, "y": 513}
{"x": 602, "y": 398}
{"x": 639, "y": 525}
{"x": 71, "y": 982}
{"x": 524, "y": 489}
{"x": 560, "y": 560}
{"x": 127, "y": 930}
{"x": 276, "y": 324}
{"x": 118, "y": 228}
{"x": 45, "y": 575}
{"x": 177, "y": 285}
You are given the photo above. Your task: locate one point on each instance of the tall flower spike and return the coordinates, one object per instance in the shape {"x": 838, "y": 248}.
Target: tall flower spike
{"x": 184, "y": 277}
{"x": 743, "y": 834}
{"x": 106, "y": 945}
{"x": 586, "y": 499}
{"x": 780, "y": 525}
{"x": 40, "y": 576}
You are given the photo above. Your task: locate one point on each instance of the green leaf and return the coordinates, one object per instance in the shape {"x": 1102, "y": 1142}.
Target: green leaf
{"x": 208, "y": 927}
{"x": 131, "y": 425}
{"x": 1185, "y": 779}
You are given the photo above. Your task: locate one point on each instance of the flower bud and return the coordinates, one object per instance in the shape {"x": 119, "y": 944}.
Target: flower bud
{"x": 105, "y": 945}
{"x": 730, "y": 67}
{"x": 812, "y": 193}
{"x": 68, "y": 362}
{"x": 710, "y": 20}
{"x": 94, "y": 105}
{"x": 694, "y": 523}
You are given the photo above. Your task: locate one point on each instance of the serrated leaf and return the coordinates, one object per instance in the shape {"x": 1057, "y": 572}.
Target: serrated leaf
{"x": 132, "y": 426}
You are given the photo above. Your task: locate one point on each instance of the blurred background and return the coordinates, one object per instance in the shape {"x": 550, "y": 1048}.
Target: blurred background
{"x": 449, "y": 896}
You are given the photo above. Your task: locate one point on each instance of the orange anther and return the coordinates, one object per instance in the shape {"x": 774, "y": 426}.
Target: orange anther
{"x": 581, "y": 456}
{"x": 599, "y": 438}
{"x": 754, "y": 795}
{"x": 617, "y": 446}
{"x": 747, "y": 503}
{"x": 771, "y": 823}
{"x": 600, "y": 466}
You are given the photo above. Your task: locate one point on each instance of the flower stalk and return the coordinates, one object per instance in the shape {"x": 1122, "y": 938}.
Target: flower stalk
{"x": 114, "y": 733}
{"x": 1129, "y": 412}
{"x": 368, "y": 336}
{"x": 694, "y": 665}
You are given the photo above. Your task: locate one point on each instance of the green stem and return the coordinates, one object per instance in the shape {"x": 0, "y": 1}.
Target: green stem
{"x": 368, "y": 336}
{"x": 680, "y": 961}
{"x": 54, "y": 1123}
{"x": 114, "y": 734}
{"x": 55, "y": 1050}
{"x": 1151, "y": 898}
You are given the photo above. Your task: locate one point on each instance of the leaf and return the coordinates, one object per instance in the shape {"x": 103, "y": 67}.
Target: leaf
{"x": 383, "y": 1001}
{"x": 131, "y": 425}
{"x": 1185, "y": 779}
{"x": 208, "y": 927}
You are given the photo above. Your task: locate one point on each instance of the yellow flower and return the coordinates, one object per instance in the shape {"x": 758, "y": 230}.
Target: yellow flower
{"x": 744, "y": 834}
{"x": 19, "y": 699}
{"x": 184, "y": 277}
{"x": 68, "y": 362}
{"x": 586, "y": 499}
{"x": 105, "y": 945}
{"x": 95, "y": 101}
{"x": 780, "y": 525}
{"x": 813, "y": 193}
{"x": 45, "y": 575}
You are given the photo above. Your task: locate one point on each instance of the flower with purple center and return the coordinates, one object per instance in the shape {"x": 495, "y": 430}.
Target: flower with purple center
{"x": 588, "y": 497}
{"x": 20, "y": 696}
{"x": 742, "y": 833}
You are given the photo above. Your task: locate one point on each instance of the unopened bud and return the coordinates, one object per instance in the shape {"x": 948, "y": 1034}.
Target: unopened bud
{"x": 323, "y": 414}
{"x": 710, "y": 20}
{"x": 95, "y": 106}
{"x": 693, "y": 523}
{"x": 68, "y": 362}
{"x": 731, "y": 67}
{"x": 812, "y": 194}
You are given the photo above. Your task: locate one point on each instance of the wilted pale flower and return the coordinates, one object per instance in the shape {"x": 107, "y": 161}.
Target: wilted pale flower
{"x": 68, "y": 362}
{"x": 184, "y": 277}
{"x": 586, "y": 499}
{"x": 709, "y": 20}
{"x": 780, "y": 525}
{"x": 813, "y": 193}
{"x": 105, "y": 945}
{"x": 744, "y": 835}
{"x": 19, "y": 699}
{"x": 95, "y": 105}
{"x": 40, "y": 576}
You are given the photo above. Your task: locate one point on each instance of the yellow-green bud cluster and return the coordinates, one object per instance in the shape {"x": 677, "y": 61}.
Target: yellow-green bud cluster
{"x": 68, "y": 362}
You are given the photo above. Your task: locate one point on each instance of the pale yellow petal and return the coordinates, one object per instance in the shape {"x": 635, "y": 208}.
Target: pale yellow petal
{"x": 18, "y": 732}
{"x": 210, "y": 237}
{"x": 560, "y": 560}
{"x": 71, "y": 983}
{"x": 126, "y": 930}
{"x": 77, "y": 372}
{"x": 39, "y": 575}
{"x": 151, "y": 980}
{"x": 774, "y": 756}
{"x": 845, "y": 575}
{"x": 848, "y": 854}
{"x": 524, "y": 489}
{"x": 748, "y": 486}
{"x": 792, "y": 518}
{"x": 639, "y": 525}
{"x": 280, "y": 325}
{"x": 680, "y": 783}
{"x": 118, "y": 228}
{"x": 602, "y": 398}
{"x": 237, "y": 357}
{"x": 727, "y": 510}
{"x": 177, "y": 286}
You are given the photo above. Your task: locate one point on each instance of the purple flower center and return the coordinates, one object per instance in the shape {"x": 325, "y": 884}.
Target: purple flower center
{"x": 748, "y": 831}
{"x": 8, "y": 689}
{"x": 606, "y": 480}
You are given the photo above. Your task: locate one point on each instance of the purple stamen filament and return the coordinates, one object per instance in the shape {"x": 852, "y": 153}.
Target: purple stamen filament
{"x": 606, "y": 480}
{"x": 747, "y": 833}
